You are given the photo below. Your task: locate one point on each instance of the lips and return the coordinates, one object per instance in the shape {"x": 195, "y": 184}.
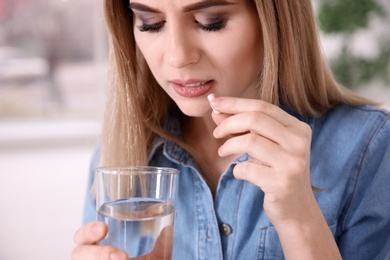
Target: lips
{"x": 191, "y": 88}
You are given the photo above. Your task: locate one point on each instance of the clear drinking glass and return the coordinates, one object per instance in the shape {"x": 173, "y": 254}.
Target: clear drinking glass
{"x": 137, "y": 204}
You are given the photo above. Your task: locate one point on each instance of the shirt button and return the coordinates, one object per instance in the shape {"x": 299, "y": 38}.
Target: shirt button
{"x": 226, "y": 229}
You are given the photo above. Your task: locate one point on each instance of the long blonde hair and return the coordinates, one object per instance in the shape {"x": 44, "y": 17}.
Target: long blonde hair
{"x": 294, "y": 73}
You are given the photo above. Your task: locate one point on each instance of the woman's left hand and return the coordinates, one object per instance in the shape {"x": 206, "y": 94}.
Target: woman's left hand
{"x": 279, "y": 148}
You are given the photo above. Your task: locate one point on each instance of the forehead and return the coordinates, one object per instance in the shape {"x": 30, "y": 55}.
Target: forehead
{"x": 185, "y": 5}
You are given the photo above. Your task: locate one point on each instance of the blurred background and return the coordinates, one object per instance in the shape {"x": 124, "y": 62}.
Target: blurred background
{"x": 52, "y": 82}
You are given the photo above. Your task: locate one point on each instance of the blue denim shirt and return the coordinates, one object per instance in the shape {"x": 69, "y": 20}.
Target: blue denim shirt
{"x": 350, "y": 163}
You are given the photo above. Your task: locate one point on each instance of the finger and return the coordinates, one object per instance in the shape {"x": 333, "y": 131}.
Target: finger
{"x": 164, "y": 244}
{"x": 258, "y": 174}
{"x": 219, "y": 118}
{"x": 275, "y": 184}
{"x": 296, "y": 138}
{"x": 98, "y": 253}
{"x": 163, "y": 247}
{"x": 157, "y": 209}
{"x": 267, "y": 153}
{"x": 232, "y": 105}
{"x": 90, "y": 233}
{"x": 258, "y": 148}
{"x": 253, "y": 122}
{"x": 263, "y": 177}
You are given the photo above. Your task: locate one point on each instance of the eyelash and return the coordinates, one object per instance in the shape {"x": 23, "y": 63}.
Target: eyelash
{"x": 212, "y": 27}
{"x": 157, "y": 27}
{"x": 153, "y": 28}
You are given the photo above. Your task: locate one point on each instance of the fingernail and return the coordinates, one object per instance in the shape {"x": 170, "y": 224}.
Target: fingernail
{"x": 116, "y": 256}
{"x": 216, "y": 102}
{"x": 210, "y": 98}
{"x": 216, "y": 112}
{"x": 97, "y": 229}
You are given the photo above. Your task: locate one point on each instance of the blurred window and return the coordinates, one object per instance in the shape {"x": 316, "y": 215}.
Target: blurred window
{"x": 52, "y": 58}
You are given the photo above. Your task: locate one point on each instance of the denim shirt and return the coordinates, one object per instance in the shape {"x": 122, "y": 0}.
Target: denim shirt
{"x": 350, "y": 163}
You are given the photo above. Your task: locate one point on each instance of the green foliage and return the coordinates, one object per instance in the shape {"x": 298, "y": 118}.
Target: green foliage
{"x": 354, "y": 71}
{"x": 346, "y": 17}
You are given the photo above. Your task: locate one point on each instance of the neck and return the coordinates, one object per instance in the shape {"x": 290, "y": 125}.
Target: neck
{"x": 198, "y": 133}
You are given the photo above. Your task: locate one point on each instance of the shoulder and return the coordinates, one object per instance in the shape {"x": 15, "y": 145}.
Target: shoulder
{"x": 354, "y": 139}
{"x": 347, "y": 122}
{"x": 363, "y": 147}
{"x": 359, "y": 114}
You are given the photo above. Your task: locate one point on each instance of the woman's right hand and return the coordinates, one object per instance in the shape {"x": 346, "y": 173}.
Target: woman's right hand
{"x": 86, "y": 238}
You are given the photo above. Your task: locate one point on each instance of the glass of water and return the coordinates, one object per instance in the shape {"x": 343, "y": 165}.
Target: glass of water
{"x": 137, "y": 204}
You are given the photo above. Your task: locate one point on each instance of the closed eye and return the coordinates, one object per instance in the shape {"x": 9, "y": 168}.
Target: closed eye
{"x": 157, "y": 27}
{"x": 212, "y": 27}
{"x": 152, "y": 28}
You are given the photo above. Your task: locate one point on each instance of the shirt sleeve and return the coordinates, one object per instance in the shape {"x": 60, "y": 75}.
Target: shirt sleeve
{"x": 364, "y": 231}
{"x": 90, "y": 196}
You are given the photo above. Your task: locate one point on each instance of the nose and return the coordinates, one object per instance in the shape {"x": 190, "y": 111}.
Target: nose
{"x": 181, "y": 49}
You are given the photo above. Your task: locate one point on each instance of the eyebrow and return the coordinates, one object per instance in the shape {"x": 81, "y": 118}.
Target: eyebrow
{"x": 205, "y": 4}
{"x": 142, "y": 8}
{"x": 193, "y": 7}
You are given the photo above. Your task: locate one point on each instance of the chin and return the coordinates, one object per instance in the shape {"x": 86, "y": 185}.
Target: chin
{"x": 194, "y": 111}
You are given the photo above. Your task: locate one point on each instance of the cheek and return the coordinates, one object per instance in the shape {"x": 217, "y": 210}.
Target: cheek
{"x": 151, "y": 53}
{"x": 243, "y": 57}
{"x": 249, "y": 52}
{"x": 241, "y": 47}
{"x": 148, "y": 45}
{"x": 242, "y": 65}
{"x": 146, "y": 51}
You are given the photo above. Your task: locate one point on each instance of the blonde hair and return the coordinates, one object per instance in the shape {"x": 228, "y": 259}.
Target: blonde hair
{"x": 294, "y": 73}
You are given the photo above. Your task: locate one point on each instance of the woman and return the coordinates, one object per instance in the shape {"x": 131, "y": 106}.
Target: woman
{"x": 289, "y": 165}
